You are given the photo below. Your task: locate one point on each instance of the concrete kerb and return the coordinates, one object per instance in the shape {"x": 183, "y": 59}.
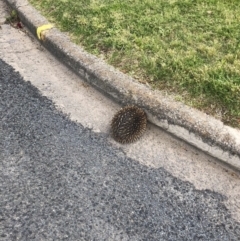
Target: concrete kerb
{"x": 196, "y": 128}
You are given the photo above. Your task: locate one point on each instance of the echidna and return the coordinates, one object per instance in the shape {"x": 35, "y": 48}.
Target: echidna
{"x": 128, "y": 124}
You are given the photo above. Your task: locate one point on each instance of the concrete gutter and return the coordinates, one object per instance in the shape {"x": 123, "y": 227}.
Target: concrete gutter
{"x": 196, "y": 128}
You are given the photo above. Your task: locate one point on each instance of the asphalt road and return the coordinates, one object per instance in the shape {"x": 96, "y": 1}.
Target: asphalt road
{"x": 61, "y": 181}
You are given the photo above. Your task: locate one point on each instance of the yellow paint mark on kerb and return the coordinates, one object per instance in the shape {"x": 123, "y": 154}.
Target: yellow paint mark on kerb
{"x": 41, "y": 29}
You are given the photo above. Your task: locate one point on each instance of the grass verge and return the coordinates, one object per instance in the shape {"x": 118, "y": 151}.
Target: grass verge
{"x": 188, "y": 48}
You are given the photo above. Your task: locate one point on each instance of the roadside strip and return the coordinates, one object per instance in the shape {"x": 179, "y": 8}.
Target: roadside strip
{"x": 194, "y": 127}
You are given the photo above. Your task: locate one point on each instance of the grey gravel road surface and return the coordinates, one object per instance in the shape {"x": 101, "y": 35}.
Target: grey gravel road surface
{"x": 61, "y": 181}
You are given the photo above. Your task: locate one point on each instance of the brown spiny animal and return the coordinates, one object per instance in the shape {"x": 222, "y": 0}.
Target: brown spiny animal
{"x": 128, "y": 124}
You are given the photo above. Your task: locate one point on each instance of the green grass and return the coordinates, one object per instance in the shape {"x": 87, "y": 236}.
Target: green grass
{"x": 190, "y": 48}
